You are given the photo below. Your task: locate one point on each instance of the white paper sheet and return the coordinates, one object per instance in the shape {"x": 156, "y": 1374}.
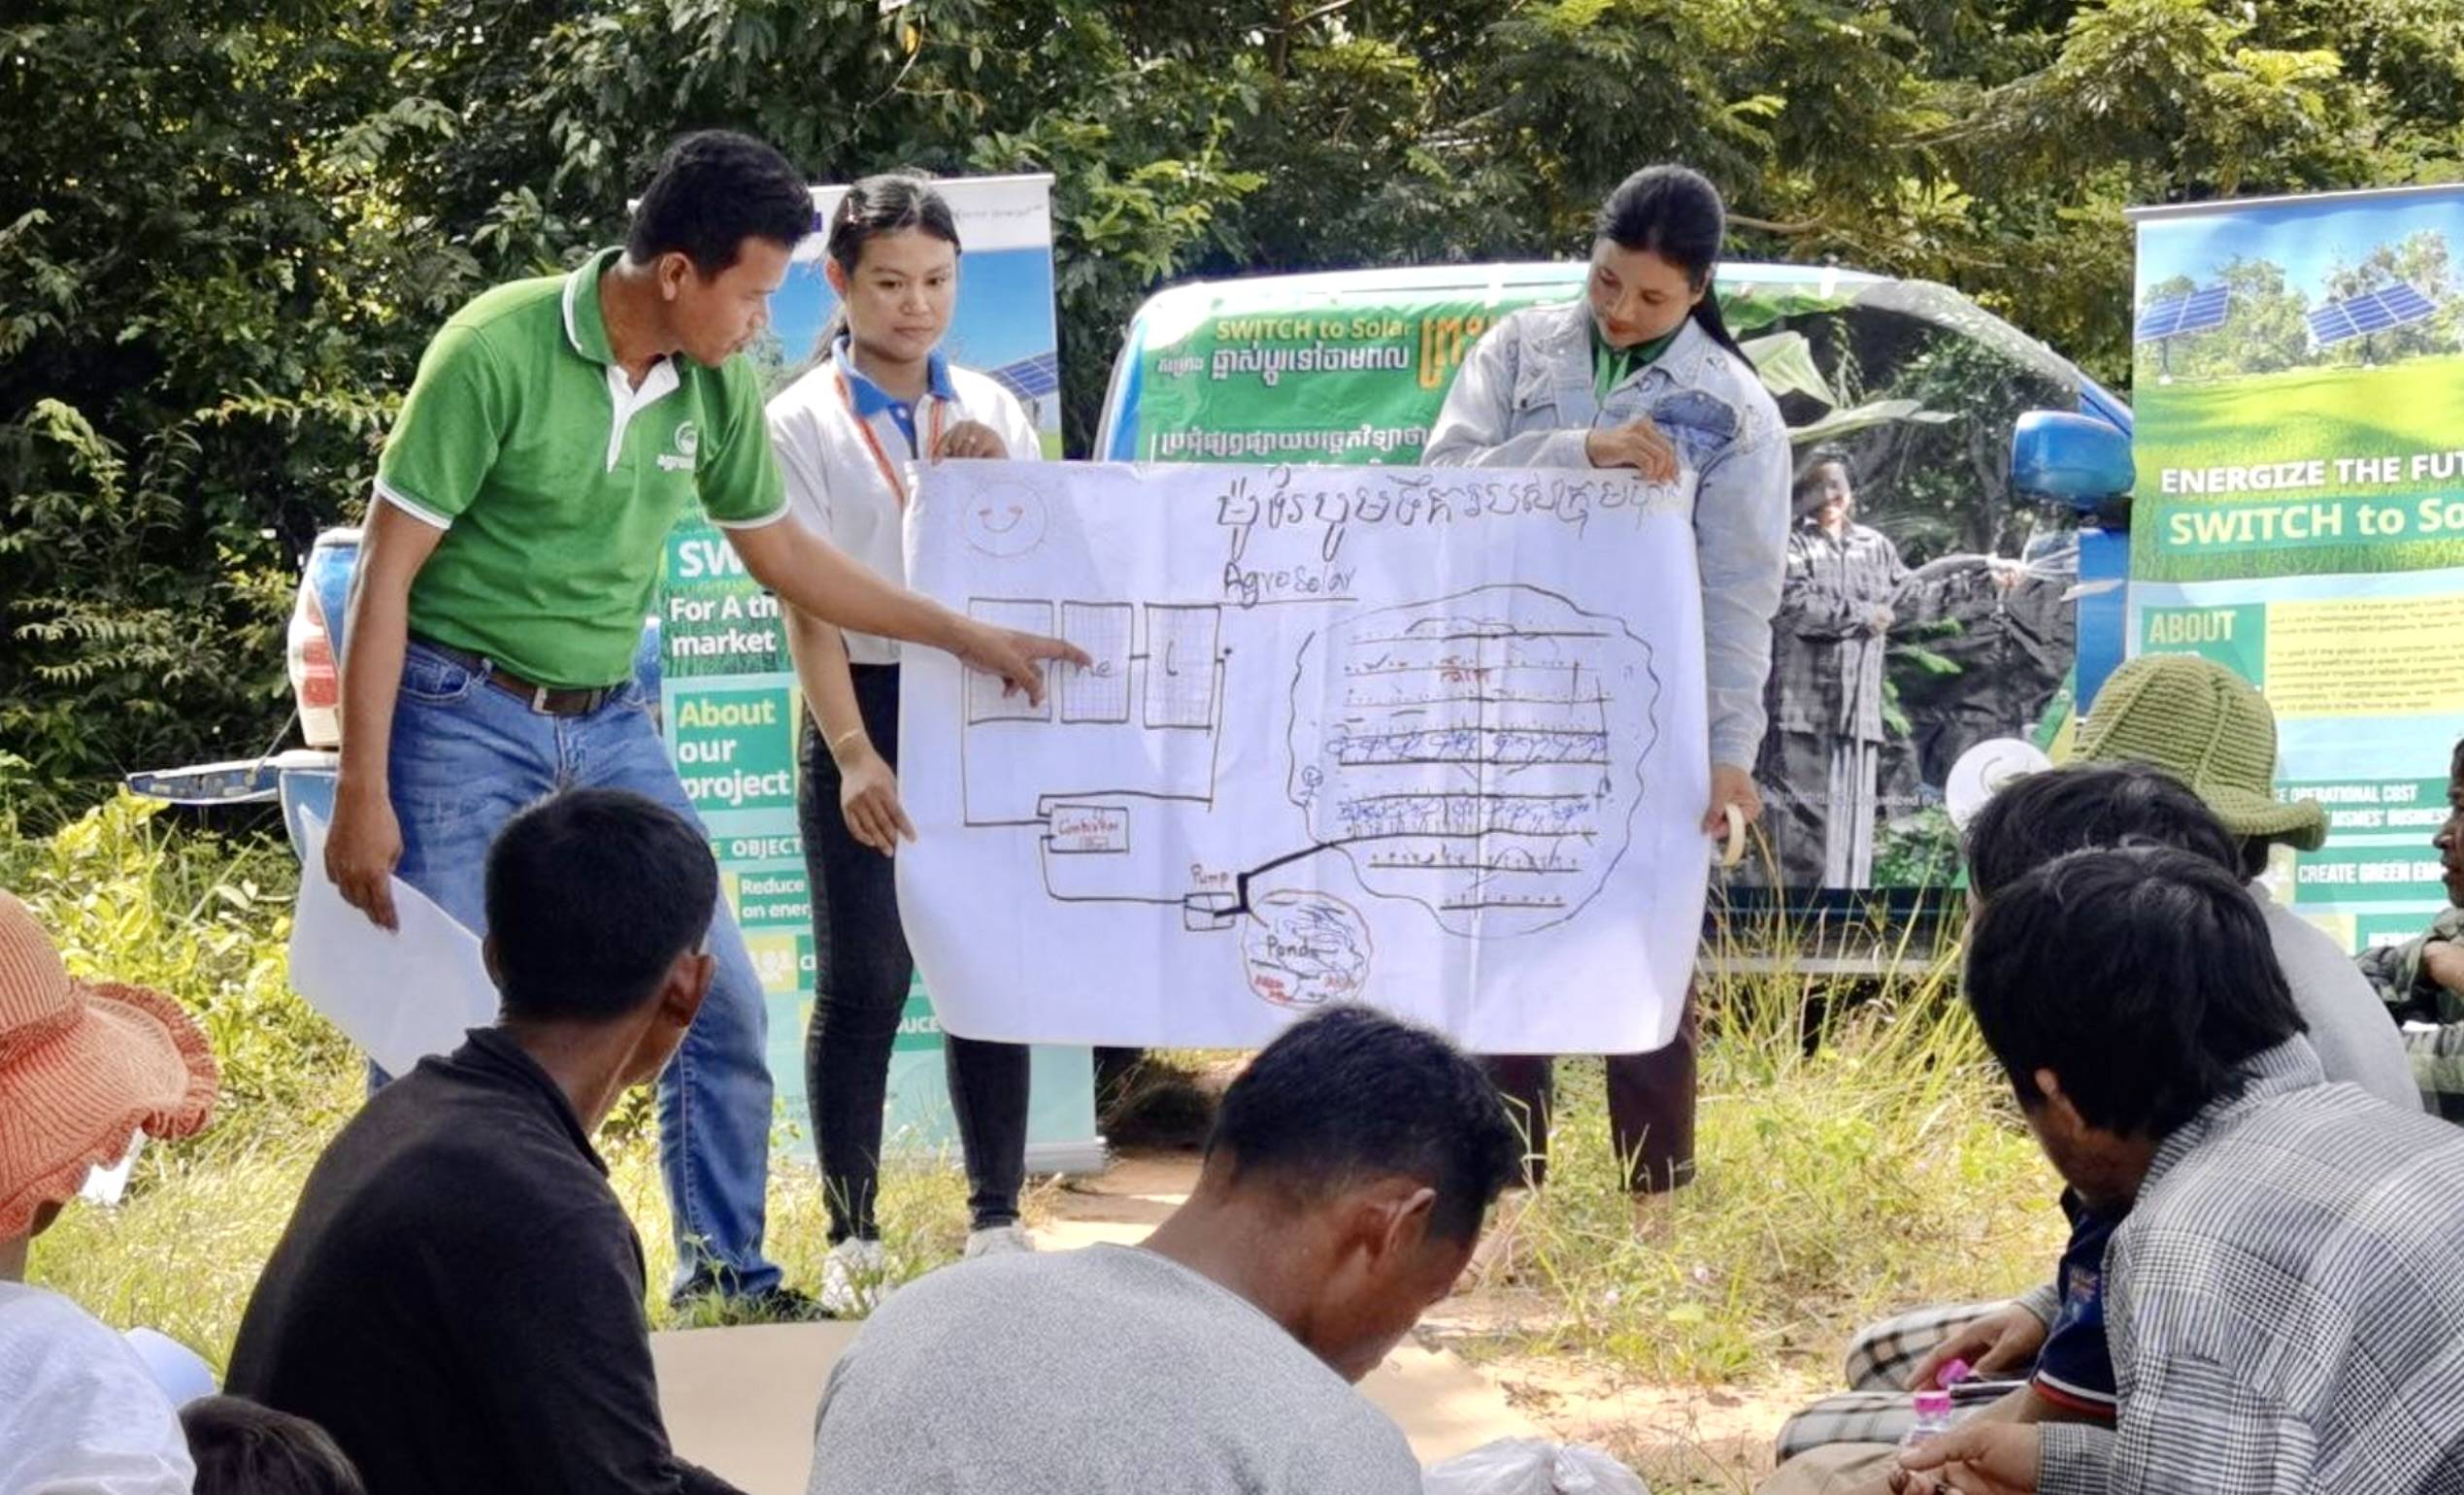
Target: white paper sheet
{"x": 1432, "y": 739}
{"x": 401, "y": 995}
{"x": 105, "y": 1184}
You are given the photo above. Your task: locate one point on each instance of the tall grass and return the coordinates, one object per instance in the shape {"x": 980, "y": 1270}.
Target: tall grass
{"x": 182, "y": 1253}
{"x": 1858, "y": 1153}
{"x": 204, "y": 917}
{"x": 208, "y": 920}
{"x": 1855, "y": 1156}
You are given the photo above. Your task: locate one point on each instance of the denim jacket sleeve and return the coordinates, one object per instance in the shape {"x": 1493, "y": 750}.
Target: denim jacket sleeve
{"x": 1741, "y": 547}
{"x": 1476, "y": 427}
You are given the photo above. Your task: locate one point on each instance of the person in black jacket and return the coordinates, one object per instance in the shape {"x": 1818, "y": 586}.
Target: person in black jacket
{"x": 457, "y": 1299}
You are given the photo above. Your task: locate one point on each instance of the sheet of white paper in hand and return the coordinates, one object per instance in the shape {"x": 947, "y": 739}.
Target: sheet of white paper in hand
{"x": 105, "y": 1185}
{"x": 1433, "y": 739}
{"x": 401, "y": 995}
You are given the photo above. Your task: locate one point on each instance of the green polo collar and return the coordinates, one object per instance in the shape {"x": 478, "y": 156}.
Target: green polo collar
{"x": 1614, "y": 366}
{"x": 586, "y": 325}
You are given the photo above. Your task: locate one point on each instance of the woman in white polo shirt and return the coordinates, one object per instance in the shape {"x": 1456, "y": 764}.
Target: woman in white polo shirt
{"x": 849, "y": 434}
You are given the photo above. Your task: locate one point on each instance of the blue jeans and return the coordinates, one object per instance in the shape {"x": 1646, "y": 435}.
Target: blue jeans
{"x": 466, "y": 756}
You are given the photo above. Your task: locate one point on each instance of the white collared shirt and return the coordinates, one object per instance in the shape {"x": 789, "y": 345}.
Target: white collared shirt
{"x": 836, "y": 485}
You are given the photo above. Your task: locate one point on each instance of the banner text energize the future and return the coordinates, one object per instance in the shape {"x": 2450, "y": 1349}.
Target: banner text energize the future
{"x": 2327, "y": 518}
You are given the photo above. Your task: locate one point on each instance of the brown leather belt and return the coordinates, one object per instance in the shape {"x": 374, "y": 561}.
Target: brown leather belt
{"x": 546, "y": 700}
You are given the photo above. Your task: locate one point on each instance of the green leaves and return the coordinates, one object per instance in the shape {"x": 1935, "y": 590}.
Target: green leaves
{"x": 227, "y": 229}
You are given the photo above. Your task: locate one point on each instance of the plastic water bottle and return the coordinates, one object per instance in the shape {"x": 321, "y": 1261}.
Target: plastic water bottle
{"x": 1933, "y": 1418}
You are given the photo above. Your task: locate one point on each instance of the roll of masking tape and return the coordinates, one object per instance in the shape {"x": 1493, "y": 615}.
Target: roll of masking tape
{"x": 1733, "y": 850}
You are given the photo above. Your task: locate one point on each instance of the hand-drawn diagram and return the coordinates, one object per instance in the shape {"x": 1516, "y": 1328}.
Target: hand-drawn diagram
{"x": 1140, "y": 722}
{"x": 1480, "y": 756}
{"x": 1477, "y": 755}
{"x": 989, "y": 698}
{"x": 1304, "y": 949}
{"x": 1432, "y": 740}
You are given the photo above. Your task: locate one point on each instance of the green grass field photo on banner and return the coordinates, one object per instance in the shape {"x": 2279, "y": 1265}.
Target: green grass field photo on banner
{"x": 2300, "y": 389}
{"x": 2306, "y": 414}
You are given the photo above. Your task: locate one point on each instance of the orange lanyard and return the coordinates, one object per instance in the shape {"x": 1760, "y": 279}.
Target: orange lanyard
{"x": 881, "y": 458}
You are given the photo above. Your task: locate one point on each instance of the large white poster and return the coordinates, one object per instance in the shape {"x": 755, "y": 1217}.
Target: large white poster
{"x": 1432, "y": 739}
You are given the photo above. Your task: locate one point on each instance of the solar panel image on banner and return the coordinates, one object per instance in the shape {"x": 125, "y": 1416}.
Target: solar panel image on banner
{"x": 2157, "y": 320}
{"x": 2175, "y": 317}
{"x": 2373, "y": 310}
{"x": 2203, "y": 312}
{"x": 1031, "y": 379}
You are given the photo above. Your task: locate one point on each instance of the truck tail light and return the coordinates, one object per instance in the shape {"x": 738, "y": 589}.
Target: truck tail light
{"x": 314, "y": 679}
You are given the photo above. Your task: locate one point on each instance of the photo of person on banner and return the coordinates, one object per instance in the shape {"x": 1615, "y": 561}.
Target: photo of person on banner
{"x": 1821, "y": 758}
{"x": 848, "y": 434}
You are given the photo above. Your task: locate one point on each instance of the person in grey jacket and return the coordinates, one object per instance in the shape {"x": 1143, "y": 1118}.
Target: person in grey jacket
{"x": 1642, "y": 374}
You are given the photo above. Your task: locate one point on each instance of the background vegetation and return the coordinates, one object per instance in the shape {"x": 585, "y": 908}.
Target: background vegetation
{"x": 226, "y": 228}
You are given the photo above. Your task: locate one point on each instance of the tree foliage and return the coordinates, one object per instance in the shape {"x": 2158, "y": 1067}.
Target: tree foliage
{"x": 227, "y": 229}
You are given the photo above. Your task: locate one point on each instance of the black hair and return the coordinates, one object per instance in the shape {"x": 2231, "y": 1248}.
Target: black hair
{"x": 886, "y": 203}
{"x": 2082, "y": 804}
{"x": 2455, "y": 763}
{"x": 243, "y": 1448}
{"x": 2143, "y": 977}
{"x": 1352, "y": 1093}
{"x": 592, "y": 895}
{"x": 1675, "y": 212}
{"x": 713, "y": 191}
{"x": 1802, "y": 495}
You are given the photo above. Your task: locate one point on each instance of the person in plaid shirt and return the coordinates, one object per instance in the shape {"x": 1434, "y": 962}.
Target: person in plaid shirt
{"x": 2423, "y": 980}
{"x": 2044, "y": 1357}
{"x": 2285, "y": 1297}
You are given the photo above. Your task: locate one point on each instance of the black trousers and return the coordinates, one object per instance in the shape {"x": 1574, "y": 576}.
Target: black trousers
{"x": 865, "y": 970}
{"x": 1651, "y": 1108}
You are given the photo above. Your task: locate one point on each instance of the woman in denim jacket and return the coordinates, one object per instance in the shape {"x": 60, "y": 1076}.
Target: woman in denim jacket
{"x": 1644, "y": 374}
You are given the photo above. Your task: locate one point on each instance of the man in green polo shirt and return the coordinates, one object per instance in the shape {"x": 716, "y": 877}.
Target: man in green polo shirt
{"x": 557, "y": 431}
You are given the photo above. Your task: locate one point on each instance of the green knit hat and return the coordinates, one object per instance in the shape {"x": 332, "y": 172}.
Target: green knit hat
{"x": 2209, "y": 729}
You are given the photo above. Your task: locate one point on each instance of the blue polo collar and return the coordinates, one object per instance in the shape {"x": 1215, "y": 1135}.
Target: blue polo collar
{"x": 871, "y": 398}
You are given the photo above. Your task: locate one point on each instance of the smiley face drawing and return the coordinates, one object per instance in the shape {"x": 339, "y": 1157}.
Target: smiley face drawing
{"x": 1004, "y": 520}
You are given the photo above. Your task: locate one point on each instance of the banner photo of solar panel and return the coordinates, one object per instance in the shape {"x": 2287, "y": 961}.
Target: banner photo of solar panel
{"x": 2299, "y": 517}
{"x": 731, "y": 708}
